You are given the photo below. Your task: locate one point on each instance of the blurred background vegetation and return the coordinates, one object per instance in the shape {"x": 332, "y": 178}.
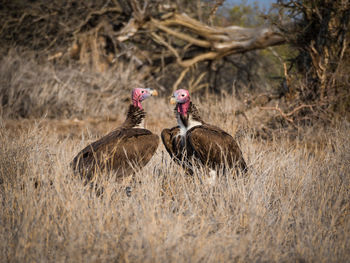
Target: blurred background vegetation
{"x": 65, "y": 59}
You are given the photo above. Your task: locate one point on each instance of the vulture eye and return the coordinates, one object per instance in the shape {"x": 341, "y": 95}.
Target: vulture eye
{"x": 183, "y": 95}
{"x": 143, "y": 91}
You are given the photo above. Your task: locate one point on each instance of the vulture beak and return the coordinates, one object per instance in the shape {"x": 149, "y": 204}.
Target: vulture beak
{"x": 172, "y": 100}
{"x": 154, "y": 92}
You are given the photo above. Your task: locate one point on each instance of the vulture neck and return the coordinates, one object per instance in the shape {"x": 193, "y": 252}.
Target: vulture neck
{"x": 135, "y": 118}
{"x": 189, "y": 119}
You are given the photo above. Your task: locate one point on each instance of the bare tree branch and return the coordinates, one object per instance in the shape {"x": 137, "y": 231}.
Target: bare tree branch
{"x": 184, "y": 40}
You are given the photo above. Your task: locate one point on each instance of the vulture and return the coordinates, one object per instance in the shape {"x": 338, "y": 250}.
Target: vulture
{"x": 196, "y": 143}
{"x": 128, "y": 147}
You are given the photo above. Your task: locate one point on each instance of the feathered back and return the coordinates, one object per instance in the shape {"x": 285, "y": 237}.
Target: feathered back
{"x": 122, "y": 150}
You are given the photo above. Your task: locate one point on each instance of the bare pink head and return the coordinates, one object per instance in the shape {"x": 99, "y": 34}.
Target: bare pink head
{"x": 139, "y": 94}
{"x": 182, "y": 99}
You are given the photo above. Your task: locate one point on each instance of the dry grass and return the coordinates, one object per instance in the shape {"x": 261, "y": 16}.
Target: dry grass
{"x": 29, "y": 89}
{"x": 293, "y": 206}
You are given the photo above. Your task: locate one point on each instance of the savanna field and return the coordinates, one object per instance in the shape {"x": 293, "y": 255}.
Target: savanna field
{"x": 292, "y": 206}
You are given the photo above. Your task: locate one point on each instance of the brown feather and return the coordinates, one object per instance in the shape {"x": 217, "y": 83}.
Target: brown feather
{"x": 134, "y": 117}
{"x": 205, "y": 145}
{"x": 122, "y": 150}
{"x": 214, "y": 148}
{"x": 176, "y": 147}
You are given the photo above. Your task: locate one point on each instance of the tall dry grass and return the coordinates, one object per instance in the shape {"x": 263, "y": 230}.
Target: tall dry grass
{"x": 32, "y": 90}
{"x": 292, "y": 206}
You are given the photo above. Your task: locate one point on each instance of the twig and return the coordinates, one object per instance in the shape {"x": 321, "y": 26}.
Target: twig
{"x": 160, "y": 40}
{"x": 192, "y": 40}
{"x": 193, "y": 87}
{"x": 289, "y": 114}
{"x": 57, "y": 55}
{"x": 299, "y": 108}
{"x": 94, "y": 13}
{"x": 180, "y": 78}
{"x": 279, "y": 110}
{"x": 188, "y": 62}
{"x": 214, "y": 9}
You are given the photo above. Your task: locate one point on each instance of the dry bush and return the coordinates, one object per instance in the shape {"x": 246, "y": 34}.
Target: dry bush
{"x": 293, "y": 206}
{"x": 48, "y": 27}
{"x": 32, "y": 90}
{"x": 317, "y": 74}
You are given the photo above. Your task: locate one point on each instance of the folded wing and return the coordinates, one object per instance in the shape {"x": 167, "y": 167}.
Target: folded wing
{"x": 122, "y": 151}
{"x": 214, "y": 147}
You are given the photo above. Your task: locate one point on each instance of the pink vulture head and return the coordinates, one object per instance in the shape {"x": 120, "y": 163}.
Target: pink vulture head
{"x": 182, "y": 99}
{"x": 139, "y": 94}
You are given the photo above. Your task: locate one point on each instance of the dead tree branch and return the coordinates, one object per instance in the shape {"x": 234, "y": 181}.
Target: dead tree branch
{"x": 214, "y": 42}
{"x": 154, "y": 35}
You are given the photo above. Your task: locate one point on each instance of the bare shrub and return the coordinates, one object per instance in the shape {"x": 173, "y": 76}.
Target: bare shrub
{"x": 318, "y": 73}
